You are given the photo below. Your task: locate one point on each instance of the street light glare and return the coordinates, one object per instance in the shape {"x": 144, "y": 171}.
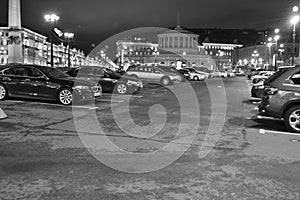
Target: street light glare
{"x": 277, "y": 30}
{"x": 51, "y": 18}
{"x": 295, "y": 9}
{"x": 270, "y": 39}
{"x": 276, "y": 37}
{"x": 295, "y": 19}
{"x": 69, "y": 35}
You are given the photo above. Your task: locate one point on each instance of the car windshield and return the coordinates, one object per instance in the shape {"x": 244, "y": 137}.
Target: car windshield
{"x": 112, "y": 73}
{"x": 54, "y": 72}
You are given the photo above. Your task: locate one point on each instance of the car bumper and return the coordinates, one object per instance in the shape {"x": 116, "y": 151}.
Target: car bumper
{"x": 265, "y": 108}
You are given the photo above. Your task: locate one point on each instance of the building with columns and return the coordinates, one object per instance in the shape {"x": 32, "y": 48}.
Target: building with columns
{"x": 176, "y": 47}
{"x": 180, "y": 48}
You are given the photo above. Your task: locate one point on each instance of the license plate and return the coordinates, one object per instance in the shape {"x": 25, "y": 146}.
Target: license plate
{"x": 97, "y": 94}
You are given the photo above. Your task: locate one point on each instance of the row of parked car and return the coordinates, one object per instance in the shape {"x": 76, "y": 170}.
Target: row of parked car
{"x": 280, "y": 96}
{"x": 88, "y": 82}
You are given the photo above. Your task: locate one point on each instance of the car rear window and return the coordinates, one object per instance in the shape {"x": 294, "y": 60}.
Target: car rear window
{"x": 275, "y": 76}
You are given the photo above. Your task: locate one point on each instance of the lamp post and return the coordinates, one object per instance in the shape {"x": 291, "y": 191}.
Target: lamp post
{"x": 276, "y": 38}
{"x": 69, "y": 36}
{"x": 294, "y": 21}
{"x": 255, "y": 55}
{"x": 51, "y": 19}
{"x": 269, "y": 44}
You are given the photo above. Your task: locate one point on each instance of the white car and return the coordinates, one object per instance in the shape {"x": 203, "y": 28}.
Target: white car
{"x": 195, "y": 74}
{"x": 223, "y": 74}
{"x": 261, "y": 76}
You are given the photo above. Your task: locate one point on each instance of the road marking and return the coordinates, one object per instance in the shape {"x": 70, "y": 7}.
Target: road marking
{"x": 263, "y": 131}
{"x": 16, "y": 101}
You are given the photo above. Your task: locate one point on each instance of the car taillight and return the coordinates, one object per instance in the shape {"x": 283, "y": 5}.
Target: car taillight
{"x": 271, "y": 90}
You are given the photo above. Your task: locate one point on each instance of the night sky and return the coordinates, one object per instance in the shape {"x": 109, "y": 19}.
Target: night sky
{"x": 95, "y": 20}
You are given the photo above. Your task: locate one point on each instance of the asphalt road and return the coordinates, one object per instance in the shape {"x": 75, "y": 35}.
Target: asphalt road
{"x": 173, "y": 143}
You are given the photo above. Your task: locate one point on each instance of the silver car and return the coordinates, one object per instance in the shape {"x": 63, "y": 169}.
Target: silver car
{"x": 152, "y": 74}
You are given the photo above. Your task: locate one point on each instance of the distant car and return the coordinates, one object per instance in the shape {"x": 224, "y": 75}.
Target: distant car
{"x": 45, "y": 83}
{"x": 153, "y": 74}
{"x": 223, "y": 74}
{"x": 198, "y": 71}
{"x": 281, "y": 98}
{"x": 195, "y": 75}
{"x": 263, "y": 75}
{"x": 171, "y": 70}
{"x": 110, "y": 80}
{"x": 257, "y": 90}
{"x": 185, "y": 73}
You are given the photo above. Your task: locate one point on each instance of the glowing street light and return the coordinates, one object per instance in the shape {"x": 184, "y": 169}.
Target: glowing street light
{"x": 277, "y": 30}
{"x": 295, "y": 9}
{"x": 69, "y": 36}
{"x": 51, "y": 19}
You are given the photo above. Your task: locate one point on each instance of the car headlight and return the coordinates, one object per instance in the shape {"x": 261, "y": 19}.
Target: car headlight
{"x": 81, "y": 87}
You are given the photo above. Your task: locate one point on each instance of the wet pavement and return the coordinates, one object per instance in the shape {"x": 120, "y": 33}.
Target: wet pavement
{"x": 44, "y": 154}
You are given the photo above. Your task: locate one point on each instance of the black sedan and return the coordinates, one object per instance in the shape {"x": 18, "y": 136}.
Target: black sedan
{"x": 45, "y": 83}
{"x": 110, "y": 80}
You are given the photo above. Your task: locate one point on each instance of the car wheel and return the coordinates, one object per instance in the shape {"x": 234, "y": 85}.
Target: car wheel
{"x": 165, "y": 81}
{"x": 292, "y": 119}
{"x": 196, "y": 78}
{"x": 3, "y": 92}
{"x": 65, "y": 96}
{"x": 121, "y": 88}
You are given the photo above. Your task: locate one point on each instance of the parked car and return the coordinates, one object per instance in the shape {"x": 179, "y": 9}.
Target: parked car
{"x": 110, "y": 80}
{"x": 47, "y": 83}
{"x": 198, "y": 71}
{"x": 195, "y": 75}
{"x": 185, "y": 73}
{"x": 171, "y": 70}
{"x": 257, "y": 89}
{"x": 263, "y": 75}
{"x": 223, "y": 74}
{"x": 153, "y": 74}
{"x": 281, "y": 98}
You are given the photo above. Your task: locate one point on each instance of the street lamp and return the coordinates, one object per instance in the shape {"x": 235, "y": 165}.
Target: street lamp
{"x": 51, "y": 19}
{"x": 255, "y": 55}
{"x": 69, "y": 36}
{"x": 276, "y": 38}
{"x": 294, "y": 21}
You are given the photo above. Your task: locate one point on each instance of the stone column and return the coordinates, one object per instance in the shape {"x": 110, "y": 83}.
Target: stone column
{"x": 15, "y": 51}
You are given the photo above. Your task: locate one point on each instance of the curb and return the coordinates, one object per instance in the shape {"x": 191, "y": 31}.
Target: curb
{"x": 2, "y": 114}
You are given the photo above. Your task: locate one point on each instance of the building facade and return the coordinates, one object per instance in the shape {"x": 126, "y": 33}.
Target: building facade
{"x": 222, "y": 54}
{"x": 267, "y": 55}
{"x": 37, "y": 50}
